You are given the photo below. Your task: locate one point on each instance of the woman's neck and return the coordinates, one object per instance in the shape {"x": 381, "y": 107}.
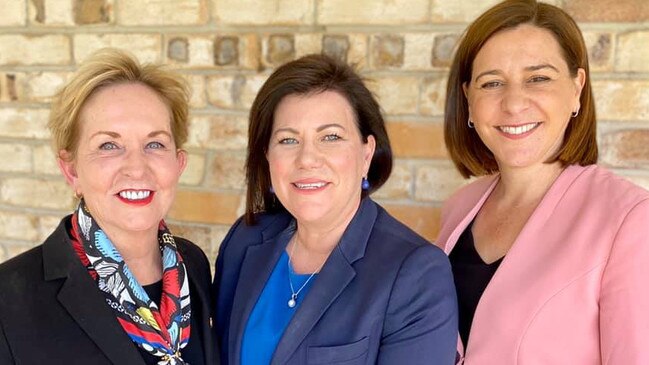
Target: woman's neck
{"x": 523, "y": 185}
{"x": 314, "y": 241}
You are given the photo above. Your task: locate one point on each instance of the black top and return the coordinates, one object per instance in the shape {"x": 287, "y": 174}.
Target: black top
{"x": 471, "y": 275}
{"x": 193, "y": 352}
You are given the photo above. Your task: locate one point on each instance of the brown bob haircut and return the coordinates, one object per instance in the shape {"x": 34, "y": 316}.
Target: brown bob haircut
{"x": 310, "y": 74}
{"x": 470, "y": 155}
{"x": 108, "y": 67}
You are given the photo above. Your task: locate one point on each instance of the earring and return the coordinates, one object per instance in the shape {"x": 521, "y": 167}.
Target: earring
{"x": 575, "y": 113}
{"x": 272, "y": 191}
{"x": 365, "y": 185}
{"x": 78, "y": 195}
{"x": 470, "y": 123}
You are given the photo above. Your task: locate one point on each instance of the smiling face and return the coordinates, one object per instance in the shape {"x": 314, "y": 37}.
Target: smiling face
{"x": 126, "y": 165}
{"x": 521, "y": 96}
{"x": 317, "y": 158}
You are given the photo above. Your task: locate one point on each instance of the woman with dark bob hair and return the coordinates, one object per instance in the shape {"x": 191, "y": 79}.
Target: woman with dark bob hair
{"x": 550, "y": 252}
{"x": 111, "y": 284}
{"x": 316, "y": 272}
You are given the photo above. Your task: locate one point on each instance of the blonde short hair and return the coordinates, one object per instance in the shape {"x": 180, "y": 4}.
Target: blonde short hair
{"x": 111, "y": 67}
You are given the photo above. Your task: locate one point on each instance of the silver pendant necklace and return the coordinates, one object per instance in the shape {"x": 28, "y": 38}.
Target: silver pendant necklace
{"x": 292, "y": 302}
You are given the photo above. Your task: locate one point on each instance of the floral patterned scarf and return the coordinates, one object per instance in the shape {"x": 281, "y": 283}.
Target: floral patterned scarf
{"x": 161, "y": 331}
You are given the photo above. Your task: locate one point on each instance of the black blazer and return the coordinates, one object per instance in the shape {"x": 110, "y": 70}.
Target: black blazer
{"x": 385, "y": 295}
{"x": 51, "y": 311}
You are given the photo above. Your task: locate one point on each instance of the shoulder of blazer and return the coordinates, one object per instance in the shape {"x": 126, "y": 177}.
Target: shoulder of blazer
{"x": 267, "y": 225}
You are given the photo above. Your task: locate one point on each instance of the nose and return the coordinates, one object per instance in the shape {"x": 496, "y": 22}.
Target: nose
{"x": 515, "y": 99}
{"x": 309, "y": 156}
{"x": 135, "y": 164}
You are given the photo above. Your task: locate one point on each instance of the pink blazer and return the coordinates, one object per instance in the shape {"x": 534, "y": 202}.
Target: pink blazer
{"x": 574, "y": 287}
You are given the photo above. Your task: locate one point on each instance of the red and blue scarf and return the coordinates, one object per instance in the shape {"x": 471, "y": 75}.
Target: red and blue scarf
{"x": 159, "y": 330}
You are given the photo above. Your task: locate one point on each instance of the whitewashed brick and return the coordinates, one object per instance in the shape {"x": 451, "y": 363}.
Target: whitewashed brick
{"x": 633, "y": 52}
{"x": 226, "y": 170}
{"x": 372, "y": 11}
{"x": 459, "y": 11}
{"x": 622, "y": 99}
{"x": 399, "y": 185}
{"x": 54, "y": 12}
{"x": 40, "y": 87}
{"x": 162, "y": 12}
{"x": 254, "y": 12}
{"x": 418, "y": 51}
{"x": 146, "y": 47}
{"x": 36, "y": 193}
{"x": 436, "y": 182}
{"x": 397, "y": 94}
{"x": 34, "y": 50}
{"x": 218, "y": 132}
{"x": 307, "y": 43}
{"x": 433, "y": 95}
{"x": 193, "y": 174}
{"x": 47, "y": 225}
{"x": 45, "y": 160}
{"x": 234, "y": 92}
{"x": 24, "y": 123}
{"x": 15, "y": 157}
{"x": 18, "y": 226}
{"x": 13, "y": 13}
{"x": 198, "y": 97}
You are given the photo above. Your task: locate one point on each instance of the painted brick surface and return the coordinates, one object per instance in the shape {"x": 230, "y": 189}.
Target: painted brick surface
{"x": 227, "y": 48}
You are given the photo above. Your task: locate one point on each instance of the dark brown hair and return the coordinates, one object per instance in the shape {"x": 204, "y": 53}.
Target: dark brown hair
{"x": 468, "y": 152}
{"x": 310, "y": 75}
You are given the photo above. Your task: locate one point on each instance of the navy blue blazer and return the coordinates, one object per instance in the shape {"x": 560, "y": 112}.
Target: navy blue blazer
{"x": 385, "y": 295}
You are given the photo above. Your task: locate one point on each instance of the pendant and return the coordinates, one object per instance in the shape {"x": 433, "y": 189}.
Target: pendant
{"x": 291, "y": 302}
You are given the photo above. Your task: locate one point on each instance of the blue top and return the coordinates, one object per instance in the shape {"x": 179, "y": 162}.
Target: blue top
{"x": 271, "y": 314}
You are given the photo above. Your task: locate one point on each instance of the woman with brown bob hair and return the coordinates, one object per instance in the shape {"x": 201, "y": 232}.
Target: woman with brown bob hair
{"x": 111, "y": 284}
{"x": 548, "y": 250}
{"x": 316, "y": 272}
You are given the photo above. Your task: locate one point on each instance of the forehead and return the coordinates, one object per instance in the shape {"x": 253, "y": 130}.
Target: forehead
{"x": 523, "y": 45}
{"x": 313, "y": 109}
{"x": 124, "y": 104}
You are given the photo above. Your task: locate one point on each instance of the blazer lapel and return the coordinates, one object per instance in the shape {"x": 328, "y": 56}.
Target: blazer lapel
{"x": 526, "y": 253}
{"x": 208, "y": 346}
{"x": 258, "y": 264}
{"x": 83, "y": 301}
{"x": 332, "y": 280}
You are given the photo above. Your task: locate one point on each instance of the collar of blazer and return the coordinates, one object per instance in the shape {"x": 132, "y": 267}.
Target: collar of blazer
{"x": 85, "y": 304}
{"x": 335, "y": 275}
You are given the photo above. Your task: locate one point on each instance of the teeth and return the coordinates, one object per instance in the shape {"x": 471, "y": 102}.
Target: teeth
{"x": 518, "y": 130}
{"x": 134, "y": 195}
{"x": 310, "y": 186}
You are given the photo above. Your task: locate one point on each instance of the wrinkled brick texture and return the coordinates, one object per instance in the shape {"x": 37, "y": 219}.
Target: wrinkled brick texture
{"x": 227, "y": 48}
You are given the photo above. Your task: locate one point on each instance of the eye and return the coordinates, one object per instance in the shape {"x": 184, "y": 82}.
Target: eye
{"x": 155, "y": 145}
{"x": 108, "y": 146}
{"x": 288, "y": 141}
{"x": 491, "y": 85}
{"x": 539, "y": 79}
{"x": 331, "y": 137}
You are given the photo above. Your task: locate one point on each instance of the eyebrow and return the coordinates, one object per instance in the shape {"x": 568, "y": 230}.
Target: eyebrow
{"x": 528, "y": 68}
{"x": 117, "y": 135}
{"x": 319, "y": 129}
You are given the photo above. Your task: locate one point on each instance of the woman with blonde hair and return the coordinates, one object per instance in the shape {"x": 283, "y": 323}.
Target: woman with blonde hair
{"x": 111, "y": 284}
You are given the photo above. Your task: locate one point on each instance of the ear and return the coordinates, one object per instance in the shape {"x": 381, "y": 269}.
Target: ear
{"x": 580, "y": 81}
{"x": 465, "y": 89}
{"x": 181, "y": 158}
{"x": 368, "y": 152}
{"x": 69, "y": 170}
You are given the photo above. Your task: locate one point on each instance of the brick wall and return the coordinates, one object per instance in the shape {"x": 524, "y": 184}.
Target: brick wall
{"x": 227, "y": 48}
